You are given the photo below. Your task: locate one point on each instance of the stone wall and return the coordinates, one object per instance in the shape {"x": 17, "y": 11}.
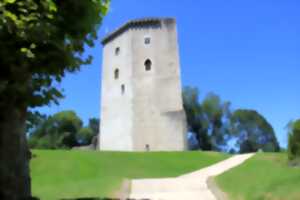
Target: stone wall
{"x": 149, "y": 114}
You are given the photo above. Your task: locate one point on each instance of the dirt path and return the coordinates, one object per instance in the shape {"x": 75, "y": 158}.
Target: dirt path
{"x": 191, "y": 186}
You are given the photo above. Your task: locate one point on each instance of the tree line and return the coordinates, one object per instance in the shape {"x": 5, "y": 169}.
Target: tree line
{"x": 215, "y": 126}
{"x": 59, "y": 131}
{"x": 212, "y": 126}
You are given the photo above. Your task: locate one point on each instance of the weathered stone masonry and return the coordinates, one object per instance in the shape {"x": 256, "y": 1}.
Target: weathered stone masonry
{"x": 141, "y": 102}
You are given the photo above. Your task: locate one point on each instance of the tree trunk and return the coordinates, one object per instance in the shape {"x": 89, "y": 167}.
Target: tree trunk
{"x": 14, "y": 155}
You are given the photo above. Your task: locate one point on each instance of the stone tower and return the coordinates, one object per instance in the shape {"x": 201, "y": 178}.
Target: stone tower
{"x": 141, "y": 102}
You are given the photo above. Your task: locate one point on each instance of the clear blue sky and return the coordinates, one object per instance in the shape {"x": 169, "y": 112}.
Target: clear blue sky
{"x": 248, "y": 52}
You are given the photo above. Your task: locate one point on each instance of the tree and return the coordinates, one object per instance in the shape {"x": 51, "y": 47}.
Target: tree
{"x": 253, "y": 132}
{"x": 34, "y": 120}
{"x": 67, "y": 124}
{"x": 85, "y": 135}
{"x": 58, "y": 131}
{"x": 215, "y": 126}
{"x": 209, "y": 120}
{"x": 88, "y": 135}
{"x": 197, "y": 124}
{"x": 40, "y": 41}
{"x": 294, "y": 141}
{"x": 217, "y": 114}
{"x": 94, "y": 124}
{"x": 62, "y": 130}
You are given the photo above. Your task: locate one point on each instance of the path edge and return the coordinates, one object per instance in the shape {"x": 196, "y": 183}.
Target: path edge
{"x": 124, "y": 191}
{"x": 215, "y": 189}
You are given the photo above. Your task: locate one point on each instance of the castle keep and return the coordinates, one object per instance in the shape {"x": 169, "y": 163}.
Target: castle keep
{"x": 141, "y": 102}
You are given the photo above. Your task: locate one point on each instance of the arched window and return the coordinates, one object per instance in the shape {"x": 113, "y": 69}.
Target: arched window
{"x": 116, "y": 74}
{"x": 148, "y": 65}
{"x": 117, "y": 51}
{"x": 122, "y": 89}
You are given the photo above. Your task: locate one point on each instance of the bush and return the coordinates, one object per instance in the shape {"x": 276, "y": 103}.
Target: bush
{"x": 294, "y": 141}
{"x": 85, "y": 135}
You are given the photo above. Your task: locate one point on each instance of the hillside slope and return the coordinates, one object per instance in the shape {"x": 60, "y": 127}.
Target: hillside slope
{"x": 266, "y": 176}
{"x": 73, "y": 174}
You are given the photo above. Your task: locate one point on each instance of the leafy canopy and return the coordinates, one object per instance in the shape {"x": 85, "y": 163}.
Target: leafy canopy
{"x": 216, "y": 127}
{"x": 41, "y": 40}
{"x": 61, "y": 130}
{"x": 254, "y": 132}
{"x": 206, "y": 119}
{"x": 85, "y": 135}
{"x": 57, "y": 131}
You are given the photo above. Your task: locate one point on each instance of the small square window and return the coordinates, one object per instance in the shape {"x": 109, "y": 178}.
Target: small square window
{"x": 147, "y": 40}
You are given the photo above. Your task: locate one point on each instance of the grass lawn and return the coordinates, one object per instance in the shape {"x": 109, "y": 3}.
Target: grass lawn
{"x": 72, "y": 174}
{"x": 266, "y": 176}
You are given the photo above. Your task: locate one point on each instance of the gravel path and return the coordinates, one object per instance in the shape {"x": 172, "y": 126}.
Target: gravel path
{"x": 191, "y": 186}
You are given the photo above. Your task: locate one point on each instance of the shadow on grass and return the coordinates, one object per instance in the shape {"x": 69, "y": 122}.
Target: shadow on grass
{"x": 96, "y": 198}
{"x": 91, "y": 198}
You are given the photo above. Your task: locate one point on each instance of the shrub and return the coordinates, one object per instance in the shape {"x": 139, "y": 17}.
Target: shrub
{"x": 294, "y": 141}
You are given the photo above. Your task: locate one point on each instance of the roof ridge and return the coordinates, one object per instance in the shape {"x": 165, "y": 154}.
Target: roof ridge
{"x": 140, "y": 21}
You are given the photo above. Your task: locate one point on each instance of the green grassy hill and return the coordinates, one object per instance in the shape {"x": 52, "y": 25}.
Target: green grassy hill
{"x": 72, "y": 174}
{"x": 266, "y": 176}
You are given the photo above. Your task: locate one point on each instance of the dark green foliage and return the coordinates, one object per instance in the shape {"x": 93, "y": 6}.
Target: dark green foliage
{"x": 195, "y": 117}
{"x": 217, "y": 114}
{"x": 214, "y": 125}
{"x": 34, "y": 119}
{"x": 207, "y": 120}
{"x": 253, "y": 132}
{"x": 94, "y": 124}
{"x": 85, "y": 135}
{"x": 57, "y": 131}
{"x": 40, "y": 41}
{"x": 62, "y": 130}
{"x": 246, "y": 146}
{"x": 294, "y": 141}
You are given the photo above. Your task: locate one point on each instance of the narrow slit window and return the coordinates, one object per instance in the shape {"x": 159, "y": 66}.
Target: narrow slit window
{"x": 148, "y": 65}
{"x": 122, "y": 89}
{"x": 116, "y": 74}
{"x": 117, "y": 51}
